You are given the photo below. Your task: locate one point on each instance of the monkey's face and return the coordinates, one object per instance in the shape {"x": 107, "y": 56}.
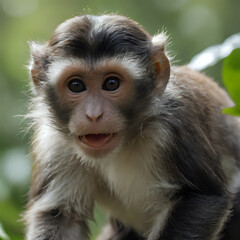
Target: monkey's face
{"x": 94, "y": 102}
{"x": 97, "y": 75}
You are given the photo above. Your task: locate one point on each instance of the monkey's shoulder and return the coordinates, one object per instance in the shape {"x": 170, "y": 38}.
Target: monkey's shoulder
{"x": 191, "y": 97}
{"x": 195, "y": 88}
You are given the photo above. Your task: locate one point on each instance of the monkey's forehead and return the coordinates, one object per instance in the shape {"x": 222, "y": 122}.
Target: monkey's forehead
{"x": 100, "y": 36}
{"x": 127, "y": 65}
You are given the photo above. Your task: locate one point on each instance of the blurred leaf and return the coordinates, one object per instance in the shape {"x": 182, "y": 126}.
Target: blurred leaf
{"x": 235, "y": 111}
{"x": 213, "y": 54}
{"x": 100, "y": 220}
{"x": 10, "y": 216}
{"x": 3, "y": 235}
{"x": 231, "y": 79}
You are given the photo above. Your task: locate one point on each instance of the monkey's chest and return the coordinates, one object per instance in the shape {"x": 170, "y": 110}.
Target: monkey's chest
{"x": 129, "y": 208}
{"x": 129, "y": 195}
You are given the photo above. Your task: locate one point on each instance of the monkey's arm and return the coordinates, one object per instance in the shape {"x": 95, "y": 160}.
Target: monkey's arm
{"x": 53, "y": 225}
{"x": 203, "y": 205}
{"x": 52, "y": 215}
{"x": 198, "y": 217}
{"x": 60, "y": 201}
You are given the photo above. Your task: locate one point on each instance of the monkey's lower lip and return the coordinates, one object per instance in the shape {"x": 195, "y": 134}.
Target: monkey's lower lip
{"x": 96, "y": 141}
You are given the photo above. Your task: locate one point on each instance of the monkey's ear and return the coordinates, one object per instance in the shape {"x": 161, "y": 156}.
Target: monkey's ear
{"x": 160, "y": 60}
{"x": 36, "y": 63}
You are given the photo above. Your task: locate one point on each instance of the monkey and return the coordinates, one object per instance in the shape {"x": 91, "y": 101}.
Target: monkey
{"x": 115, "y": 123}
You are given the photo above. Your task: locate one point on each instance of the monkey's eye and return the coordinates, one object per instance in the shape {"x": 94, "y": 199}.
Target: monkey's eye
{"x": 111, "y": 83}
{"x": 76, "y": 86}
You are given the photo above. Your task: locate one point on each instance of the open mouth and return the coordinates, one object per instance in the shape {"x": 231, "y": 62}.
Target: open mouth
{"x": 97, "y": 141}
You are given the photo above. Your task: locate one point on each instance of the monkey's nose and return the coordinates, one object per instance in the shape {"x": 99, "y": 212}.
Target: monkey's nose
{"x": 94, "y": 117}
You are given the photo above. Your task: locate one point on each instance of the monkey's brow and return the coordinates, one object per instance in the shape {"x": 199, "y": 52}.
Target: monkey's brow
{"x": 134, "y": 68}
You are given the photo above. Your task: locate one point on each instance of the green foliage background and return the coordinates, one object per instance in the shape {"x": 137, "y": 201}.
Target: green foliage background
{"x": 231, "y": 79}
{"x": 192, "y": 25}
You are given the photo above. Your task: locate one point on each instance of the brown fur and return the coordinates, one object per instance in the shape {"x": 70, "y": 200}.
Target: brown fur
{"x": 162, "y": 173}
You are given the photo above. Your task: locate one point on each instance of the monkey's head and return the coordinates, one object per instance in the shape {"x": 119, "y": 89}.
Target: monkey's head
{"x": 96, "y": 77}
